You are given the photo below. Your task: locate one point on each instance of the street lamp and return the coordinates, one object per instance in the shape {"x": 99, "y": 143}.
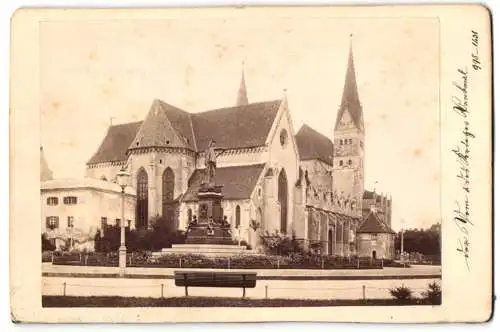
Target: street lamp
{"x": 122, "y": 179}
{"x": 402, "y": 239}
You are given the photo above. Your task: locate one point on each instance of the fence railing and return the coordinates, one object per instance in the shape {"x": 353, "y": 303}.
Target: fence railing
{"x": 262, "y": 291}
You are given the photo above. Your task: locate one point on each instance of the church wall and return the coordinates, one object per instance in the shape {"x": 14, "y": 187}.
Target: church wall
{"x": 300, "y": 222}
{"x": 381, "y": 243}
{"x": 229, "y": 210}
{"x": 283, "y": 157}
{"x": 318, "y": 173}
{"x": 237, "y": 158}
{"x": 184, "y": 213}
{"x": 181, "y": 164}
{"x": 104, "y": 171}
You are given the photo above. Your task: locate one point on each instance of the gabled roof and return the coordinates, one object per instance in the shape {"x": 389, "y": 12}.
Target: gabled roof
{"x": 238, "y": 182}
{"x": 165, "y": 125}
{"x": 242, "y": 126}
{"x": 45, "y": 172}
{"x": 373, "y": 224}
{"x": 116, "y": 142}
{"x": 157, "y": 130}
{"x": 350, "y": 96}
{"x": 314, "y": 145}
{"x": 181, "y": 122}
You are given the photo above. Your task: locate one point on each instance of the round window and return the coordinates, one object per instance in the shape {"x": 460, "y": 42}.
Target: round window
{"x": 283, "y": 137}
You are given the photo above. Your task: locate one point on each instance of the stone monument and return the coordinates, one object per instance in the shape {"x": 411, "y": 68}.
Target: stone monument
{"x": 210, "y": 227}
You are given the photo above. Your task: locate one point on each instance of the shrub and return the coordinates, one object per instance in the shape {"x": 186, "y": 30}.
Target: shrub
{"x": 282, "y": 245}
{"x": 47, "y": 245}
{"x": 46, "y": 256}
{"x": 433, "y": 294}
{"x": 401, "y": 294}
{"x": 160, "y": 236}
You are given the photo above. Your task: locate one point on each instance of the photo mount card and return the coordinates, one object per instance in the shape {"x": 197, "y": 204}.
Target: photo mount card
{"x": 251, "y": 164}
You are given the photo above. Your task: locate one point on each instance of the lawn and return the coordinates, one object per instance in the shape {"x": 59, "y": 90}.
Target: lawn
{"x": 116, "y": 301}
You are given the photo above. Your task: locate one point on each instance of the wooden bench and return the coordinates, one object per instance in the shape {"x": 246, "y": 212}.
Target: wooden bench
{"x": 242, "y": 280}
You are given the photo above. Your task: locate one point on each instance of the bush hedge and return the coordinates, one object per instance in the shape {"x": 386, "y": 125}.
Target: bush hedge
{"x": 145, "y": 259}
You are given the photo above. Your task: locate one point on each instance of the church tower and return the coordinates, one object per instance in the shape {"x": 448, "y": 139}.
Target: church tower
{"x": 349, "y": 139}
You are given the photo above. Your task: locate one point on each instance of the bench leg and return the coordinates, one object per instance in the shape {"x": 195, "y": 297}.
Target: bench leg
{"x": 185, "y": 287}
{"x": 244, "y": 290}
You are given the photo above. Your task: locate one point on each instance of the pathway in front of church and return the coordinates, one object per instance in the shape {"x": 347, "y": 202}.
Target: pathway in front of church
{"x": 415, "y": 270}
{"x": 293, "y": 289}
{"x": 153, "y": 282}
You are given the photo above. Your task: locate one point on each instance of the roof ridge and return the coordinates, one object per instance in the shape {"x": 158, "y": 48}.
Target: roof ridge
{"x": 195, "y": 140}
{"x": 124, "y": 124}
{"x": 240, "y": 106}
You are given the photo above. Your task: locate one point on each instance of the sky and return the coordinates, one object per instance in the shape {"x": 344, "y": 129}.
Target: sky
{"x": 95, "y": 72}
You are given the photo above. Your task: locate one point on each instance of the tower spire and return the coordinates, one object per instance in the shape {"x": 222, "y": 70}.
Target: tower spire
{"x": 242, "y": 98}
{"x": 350, "y": 96}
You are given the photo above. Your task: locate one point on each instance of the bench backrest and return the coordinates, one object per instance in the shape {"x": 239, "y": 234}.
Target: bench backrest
{"x": 215, "y": 279}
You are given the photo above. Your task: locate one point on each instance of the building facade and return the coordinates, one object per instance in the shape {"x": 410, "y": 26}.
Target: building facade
{"x": 74, "y": 209}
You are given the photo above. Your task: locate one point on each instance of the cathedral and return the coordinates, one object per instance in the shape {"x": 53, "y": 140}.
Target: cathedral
{"x": 273, "y": 179}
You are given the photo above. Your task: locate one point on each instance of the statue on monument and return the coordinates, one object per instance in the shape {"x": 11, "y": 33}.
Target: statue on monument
{"x": 211, "y": 162}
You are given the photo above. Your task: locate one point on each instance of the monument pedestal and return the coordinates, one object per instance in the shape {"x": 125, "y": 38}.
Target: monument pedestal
{"x": 209, "y": 207}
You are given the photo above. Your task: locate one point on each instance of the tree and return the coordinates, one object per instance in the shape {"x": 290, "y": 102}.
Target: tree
{"x": 427, "y": 242}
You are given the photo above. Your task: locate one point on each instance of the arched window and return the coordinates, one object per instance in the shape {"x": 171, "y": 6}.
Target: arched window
{"x": 168, "y": 179}
{"x": 238, "y": 216}
{"x": 341, "y": 163}
{"x": 168, "y": 184}
{"x": 341, "y": 142}
{"x": 349, "y": 162}
{"x": 141, "y": 210}
{"x": 259, "y": 218}
{"x": 190, "y": 215}
{"x": 350, "y": 140}
{"x": 283, "y": 200}
{"x": 330, "y": 242}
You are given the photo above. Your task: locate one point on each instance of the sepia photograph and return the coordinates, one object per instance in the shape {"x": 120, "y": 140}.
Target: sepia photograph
{"x": 246, "y": 160}
{"x": 216, "y": 160}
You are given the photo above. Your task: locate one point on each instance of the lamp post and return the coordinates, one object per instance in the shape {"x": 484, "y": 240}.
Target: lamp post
{"x": 402, "y": 239}
{"x": 122, "y": 178}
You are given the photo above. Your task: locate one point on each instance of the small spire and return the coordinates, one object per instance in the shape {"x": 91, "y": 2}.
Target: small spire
{"x": 45, "y": 172}
{"x": 285, "y": 97}
{"x": 242, "y": 98}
